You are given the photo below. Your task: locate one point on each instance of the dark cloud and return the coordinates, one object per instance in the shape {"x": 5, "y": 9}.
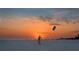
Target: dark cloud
{"x": 67, "y": 13}
{"x": 46, "y": 14}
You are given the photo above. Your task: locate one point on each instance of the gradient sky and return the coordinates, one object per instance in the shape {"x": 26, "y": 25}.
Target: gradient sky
{"x": 32, "y": 22}
{"x": 59, "y": 12}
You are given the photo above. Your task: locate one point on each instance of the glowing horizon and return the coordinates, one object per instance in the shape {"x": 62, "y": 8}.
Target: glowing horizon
{"x": 37, "y": 22}
{"x": 32, "y": 27}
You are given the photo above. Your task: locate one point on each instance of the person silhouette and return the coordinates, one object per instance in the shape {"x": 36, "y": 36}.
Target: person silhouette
{"x": 39, "y": 38}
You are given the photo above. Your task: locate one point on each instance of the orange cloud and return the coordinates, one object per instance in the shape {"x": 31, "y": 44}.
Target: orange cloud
{"x": 32, "y": 27}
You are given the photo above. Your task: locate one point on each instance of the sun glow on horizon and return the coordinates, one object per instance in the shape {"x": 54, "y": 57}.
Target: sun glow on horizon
{"x": 39, "y": 28}
{"x": 27, "y": 27}
{"x": 32, "y": 27}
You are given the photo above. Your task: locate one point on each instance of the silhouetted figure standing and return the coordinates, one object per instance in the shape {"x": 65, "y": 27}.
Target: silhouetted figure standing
{"x": 39, "y": 38}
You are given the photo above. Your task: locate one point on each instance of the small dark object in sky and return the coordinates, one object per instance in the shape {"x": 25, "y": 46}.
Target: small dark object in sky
{"x": 54, "y": 28}
{"x": 39, "y": 38}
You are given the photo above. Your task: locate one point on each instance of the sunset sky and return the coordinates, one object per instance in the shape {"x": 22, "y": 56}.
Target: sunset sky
{"x": 30, "y": 23}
